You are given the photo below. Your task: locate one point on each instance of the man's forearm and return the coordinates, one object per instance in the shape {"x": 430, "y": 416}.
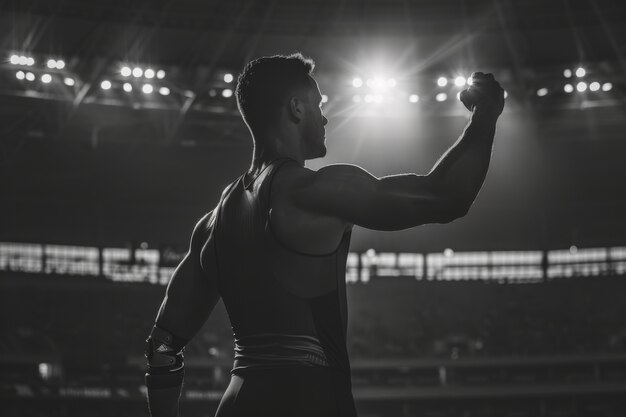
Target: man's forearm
{"x": 462, "y": 169}
{"x": 163, "y": 394}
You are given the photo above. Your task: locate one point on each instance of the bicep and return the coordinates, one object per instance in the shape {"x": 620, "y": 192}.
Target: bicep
{"x": 388, "y": 203}
{"x": 192, "y": 292}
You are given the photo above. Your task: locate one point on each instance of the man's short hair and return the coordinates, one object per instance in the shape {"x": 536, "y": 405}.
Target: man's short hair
{"x": 267, "y": 83}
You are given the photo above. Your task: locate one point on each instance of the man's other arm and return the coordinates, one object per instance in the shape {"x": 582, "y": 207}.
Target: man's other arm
{"x": 190, "y": 298}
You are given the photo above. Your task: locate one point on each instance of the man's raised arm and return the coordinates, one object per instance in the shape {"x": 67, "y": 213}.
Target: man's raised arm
{"x": 190, "y": 298}
{"x": 397, "y": 202}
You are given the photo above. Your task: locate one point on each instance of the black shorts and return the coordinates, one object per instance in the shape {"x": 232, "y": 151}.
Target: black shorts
{"x": 296, "y": 391}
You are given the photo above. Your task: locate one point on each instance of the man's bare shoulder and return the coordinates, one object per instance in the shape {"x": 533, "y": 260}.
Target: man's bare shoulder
{"x": 299, "y": 178}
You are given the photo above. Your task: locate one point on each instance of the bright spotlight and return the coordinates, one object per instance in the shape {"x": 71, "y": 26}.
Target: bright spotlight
{"x": 51, "y": 63}
{"x": 160, "y": 74}
{"x": 126, "y": 71}
{"x": 580, "y": 72}
{"x": 227, "y": 93}
{"x": 442, "y": 81}
{"x": 22, "y": 60}
{"x": 414, "y": 98}
{"x": 448, "y": 253}
{"x": 607, "y": 87}
{"x": 460, "y": 81}
{"x": 356, "y": 98}
{"x": 147, "y": 88}
{"x": 594, "y": 86}
{"x": 568, "y": 88}
{"x": 228, "y": 78}
{"x": 324, "y": 98}
{"x": 542, "y": 92}
{"x": 14, "y": 59}
{"x": 357, "y": 82}
{"x": 164, "y": 91}
{"x": 506, "y": 94}
{"x": 567, "y": 73}
{"x": 20, "y": 75}
{"x": 369, "y": 98}
{"x": 391, "y": 82}
{"x": 441, "y": 97}
{"x": 69, "y": 81}
{"x": 30, "y": 76}
{"x": 137, "y": 72}
{"x": 105, "y": 85}
{"x": 30, "y": 61}
{"x": 46, "y": 78}
{"x": 60, "y": 64}
{"x": 581, "y": 86}
{"x": 127, "y": 87}
{"x": 149, "y": 73}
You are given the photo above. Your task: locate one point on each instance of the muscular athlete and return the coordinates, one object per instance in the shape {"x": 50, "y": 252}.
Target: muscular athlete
{"x": 274, "y": 248}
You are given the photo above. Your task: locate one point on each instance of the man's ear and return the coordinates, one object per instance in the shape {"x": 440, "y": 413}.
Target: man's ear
{"x": 296, "y": 109}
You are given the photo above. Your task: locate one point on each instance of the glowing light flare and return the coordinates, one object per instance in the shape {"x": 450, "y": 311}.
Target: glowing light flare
{"x": 127, "y": 87}
{"x": 126, "y": 71}
{"x": 607, "y": 87}
{"x": 228, "y": 78}
{"x": 105, "y": 85}
{"x": 594, "y": 86}
{"x": 14, "y": 59}
{"x": 30, "y": 76}
{"x": 137, "y": 72}
{"x": 581, "y": 86}
{"x": 60, "y": 64}
{"x": 164, "y": 91}
{"x": 460, "y": 81}
{"x": 542, "y": 92}
{"x": 357, "y": 82}
{"x": 567, "y": 73}
{"x": 52, "y": 63}
{"x": 414, "y": 98}
{"x": 442, "y": 81}
{"x": 147, "y": 89}
{"x": 568, "y": 88}
{"x": 20, "y": 75}
{"x": 160, "y": 74}
{"x": 580, "y": 72}
{"x": 441, "y": 97}
{"x": 69, "y": 81}
{"x": 149, "y": 73}
{"x": 46, "y": 78}
{"x": 227, "y": 93}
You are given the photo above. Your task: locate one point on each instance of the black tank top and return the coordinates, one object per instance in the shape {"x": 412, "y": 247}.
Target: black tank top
{"x": 286, "y": 308}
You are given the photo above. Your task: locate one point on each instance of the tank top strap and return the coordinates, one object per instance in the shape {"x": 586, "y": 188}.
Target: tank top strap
{"x": 269, "y": 180}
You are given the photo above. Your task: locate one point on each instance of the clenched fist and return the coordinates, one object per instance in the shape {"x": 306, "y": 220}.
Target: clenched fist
{"x": 484, "y": 94}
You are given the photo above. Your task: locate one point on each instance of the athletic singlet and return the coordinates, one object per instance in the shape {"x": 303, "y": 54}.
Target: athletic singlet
{"x": 286, "y": 308}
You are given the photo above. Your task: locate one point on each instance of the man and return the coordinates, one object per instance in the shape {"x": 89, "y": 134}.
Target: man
{"x": 275, "y": 247}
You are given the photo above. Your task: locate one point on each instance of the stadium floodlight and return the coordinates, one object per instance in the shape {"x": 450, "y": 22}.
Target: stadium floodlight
{"x": 30, "y": 61}
{"x": 607, "y": 87}
{"x": 228, "y": 77}
{"x": 105, "y": 85}
{"x": 460, "y": 81}
{"x": 128, "y": 87}
{"x": 164, "y": 91}
{"x": 227, "y": 93}
{"x": 568, "y": 88}
{"x": 22, "y": 60}
{"x": 69, "y": 81}
{"x": 149, "y": 73}
{"x": 30, "y": 76}
{"x": 391, "y": 82}
{"x": 52, "y": 63}
{"x": 356, "y": 98}
{"x": 137, "y": 72}
{"x": 46, "y": 78}
{"x": 147, "y": 88}
{"x": 580, "y": 72}
{"x": 126, "y": 71}
{"x": 448, "y": 253}
{"x": 20, "y": 75}
{"x": 567, "y": 73}
{"x": 60, "y": 64}
{"x": 440, "y": 97}
{"x": 594, "y": 86}
{"x": 14, "y": 59}
{"x": 442, "y": 81}
{"x": 414, "y": 98}
{"x": 357, "y": 82}
{"x": 542, "y": 92}
{"x": 581, "y": 86}
{"x": 324, "y": 98}
{"x": 160, "y": 74}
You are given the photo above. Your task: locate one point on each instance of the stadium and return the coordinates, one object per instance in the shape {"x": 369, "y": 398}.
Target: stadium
{"x": 120, "y": 129}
